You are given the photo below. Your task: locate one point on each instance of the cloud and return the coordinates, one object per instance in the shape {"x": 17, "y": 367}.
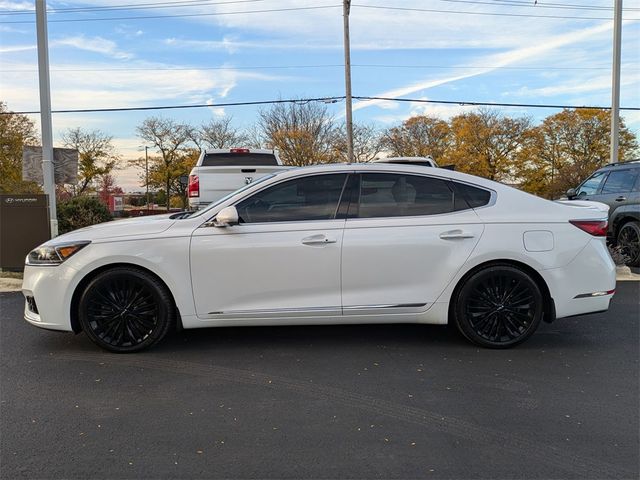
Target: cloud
{"x": 495, "y": 61}
{"x": 17, "y": 48}
{"x": 26, "y": 6}
{"x": 93, "y": 44}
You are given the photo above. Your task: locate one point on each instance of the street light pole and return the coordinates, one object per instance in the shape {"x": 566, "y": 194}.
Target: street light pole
{"x": 346, "y": 7}
{"x": 45, "y": 114}
{"x": 146, "y": 169}
{"x": 615, "y": 80}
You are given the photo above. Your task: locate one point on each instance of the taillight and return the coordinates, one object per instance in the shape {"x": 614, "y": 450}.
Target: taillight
{"x": 194, "y": 186}
{"x": 239, "y": 150}
{"x": 597, "y": 228}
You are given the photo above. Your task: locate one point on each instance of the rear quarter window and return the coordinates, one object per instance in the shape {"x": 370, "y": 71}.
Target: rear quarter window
{"x": 474, "y": 197}
{"x": 240, "y": 159}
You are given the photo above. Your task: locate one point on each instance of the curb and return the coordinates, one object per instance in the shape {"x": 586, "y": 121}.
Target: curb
{"x": 10, "y": 284}
{"x": 624, "y": 274}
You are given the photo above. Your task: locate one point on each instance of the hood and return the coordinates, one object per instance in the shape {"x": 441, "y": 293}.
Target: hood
{"x": 139, "y": 226}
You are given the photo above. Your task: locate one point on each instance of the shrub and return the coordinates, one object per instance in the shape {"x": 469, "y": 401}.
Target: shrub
{"x": 619, "y": 257}
{"x": 81, "y": 212}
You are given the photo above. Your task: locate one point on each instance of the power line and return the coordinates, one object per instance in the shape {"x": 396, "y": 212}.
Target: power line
{"x": 133, "y": 6}
{"x": 490, "y": 104}
{"x": 467, "y": 12}
{"x": 184, "y": 15}
{"x": 378, "y": 7}
{"x": 196, "y": 3}
{"x": 176, "y": 107}
{"x": 519, "y": 4}
{"x": 325, "y": 100}
{"x": 331, "y": 65}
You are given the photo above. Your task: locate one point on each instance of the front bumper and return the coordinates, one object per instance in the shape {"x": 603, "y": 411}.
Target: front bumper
{"x": 51, "y": 290}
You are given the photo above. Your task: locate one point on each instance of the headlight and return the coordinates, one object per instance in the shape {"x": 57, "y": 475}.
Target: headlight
{"x": 54, "y": 254}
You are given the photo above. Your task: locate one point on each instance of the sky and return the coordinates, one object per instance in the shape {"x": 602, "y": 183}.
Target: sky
{"x": 141, "y": 53}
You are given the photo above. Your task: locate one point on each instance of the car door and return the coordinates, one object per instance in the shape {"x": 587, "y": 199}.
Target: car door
{"x": 405, "y": 238}
{"x": 617, "y": 189}
{"x": 282, "y": 259}
{"x": 591, "y": 186}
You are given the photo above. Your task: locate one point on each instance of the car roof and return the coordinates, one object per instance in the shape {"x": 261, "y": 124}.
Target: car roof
{"x": 627, "y": 164}
{"x": 391, "y": 168}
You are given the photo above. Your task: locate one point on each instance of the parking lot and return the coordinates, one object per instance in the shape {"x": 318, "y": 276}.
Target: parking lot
{"x": 406, "y": 401}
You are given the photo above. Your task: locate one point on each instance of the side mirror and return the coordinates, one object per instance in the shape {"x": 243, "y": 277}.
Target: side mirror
{"x": 226, "y": 217}
{"x": 571, "y": 193}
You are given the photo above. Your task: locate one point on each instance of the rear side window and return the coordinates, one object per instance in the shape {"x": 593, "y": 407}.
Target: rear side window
{"x": 244, "y": 159}
{"x": 309, "y": 198}
{"x": 475, "y": 197}
{"x": 619, "y": 181}
{"x": 400, "y": 195}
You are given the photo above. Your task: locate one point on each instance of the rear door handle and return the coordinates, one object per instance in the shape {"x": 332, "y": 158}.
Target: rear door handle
{"x": 319, "y": 239}
{"x": 621, "y": 198}
{"x": 456, "y": 234}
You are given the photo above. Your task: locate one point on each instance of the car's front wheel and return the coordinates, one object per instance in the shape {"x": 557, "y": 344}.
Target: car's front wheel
{"x": 629, "y": 242}
{"x": 498, "y": 307}
{"x": 125, "y": 310}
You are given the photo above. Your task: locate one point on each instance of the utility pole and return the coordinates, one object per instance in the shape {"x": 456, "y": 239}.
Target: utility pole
{"x": 146, "y": 169}
{"x": 615, "y": 80}
{"x": 346, "y": 7}
{"x": 45, "y": 114}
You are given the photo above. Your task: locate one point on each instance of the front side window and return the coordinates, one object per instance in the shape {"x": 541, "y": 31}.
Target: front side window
{"x": 590, "y": 186}
{"x": 399, "y": 195}
{"x": 619, "y": 181}
{"x": 308, "y": 198}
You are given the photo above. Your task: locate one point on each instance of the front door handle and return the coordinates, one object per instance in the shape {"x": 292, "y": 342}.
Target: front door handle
{"x": 455, "y": 234}
{"x": 320, "y": 239}
{"x": 621, "y": 198}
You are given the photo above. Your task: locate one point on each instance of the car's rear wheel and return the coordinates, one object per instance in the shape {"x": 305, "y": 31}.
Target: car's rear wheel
{"x": 498, "y": 307}
{"x": 125, "y": 310}
{"x": 629, "y": 242}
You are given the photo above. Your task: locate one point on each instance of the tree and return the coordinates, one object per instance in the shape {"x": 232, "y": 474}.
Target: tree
{"x": 16, "y": 131}
{"x": 419, "y": 136}
{"x": 488, "y": 144}
{"x": 97, "y": 157}
{"x": 366, "y": 143}
{"x": 221, "y": 134}
{"x": 569, "y": 146}
{"x": 107, "y": 187}
{"x": 303, "y": 133}
{"x": 173, "y": 141}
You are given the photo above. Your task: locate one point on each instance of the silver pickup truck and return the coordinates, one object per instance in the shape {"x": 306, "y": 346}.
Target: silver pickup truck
{"x": 222, "y": 171}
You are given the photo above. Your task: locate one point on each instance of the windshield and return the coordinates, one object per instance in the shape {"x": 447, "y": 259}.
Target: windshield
{"x": 227, "y": 197}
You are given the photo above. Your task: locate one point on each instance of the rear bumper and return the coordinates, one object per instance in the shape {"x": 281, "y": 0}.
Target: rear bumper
{"x": 591, "y": 272}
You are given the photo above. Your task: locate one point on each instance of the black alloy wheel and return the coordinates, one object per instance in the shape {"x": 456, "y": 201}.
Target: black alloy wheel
{"x": 498, "y": 307}
{"x": 629, "y": 242}
{"x": 126, "y": 310}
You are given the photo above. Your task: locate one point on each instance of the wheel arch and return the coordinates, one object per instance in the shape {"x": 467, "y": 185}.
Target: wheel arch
{"x": 622, "y": 220}
{"x": 549, "y": 304}
{"x": 75, "y": 298}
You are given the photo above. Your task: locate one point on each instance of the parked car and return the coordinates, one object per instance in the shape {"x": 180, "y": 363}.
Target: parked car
{"x": 221, "y": 171}
{"x": 331, "y": 244}
{"x": 424, "y": 161}
{"x": 617, "y": 185}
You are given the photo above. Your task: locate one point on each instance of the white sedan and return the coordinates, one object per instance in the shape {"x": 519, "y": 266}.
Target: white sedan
{"x": 332, "y": 244}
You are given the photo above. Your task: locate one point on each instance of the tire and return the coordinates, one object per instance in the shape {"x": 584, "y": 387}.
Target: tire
{"x": 126, "y": 310}
{"x": 498, "y": 307}
{"x": 628, "y": 239}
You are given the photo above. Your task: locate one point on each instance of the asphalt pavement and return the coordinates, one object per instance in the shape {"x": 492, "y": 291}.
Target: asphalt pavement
{"x": 367, "y": 401}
